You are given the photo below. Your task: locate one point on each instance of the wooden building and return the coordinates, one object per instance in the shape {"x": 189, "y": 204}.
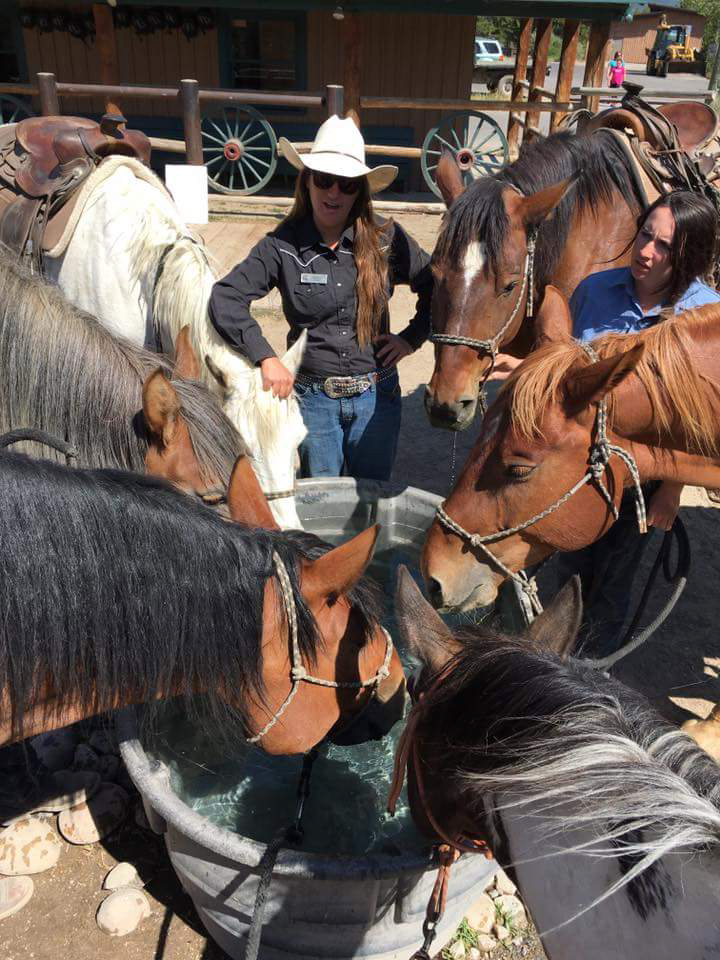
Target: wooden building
{"x": 634, "y": 37}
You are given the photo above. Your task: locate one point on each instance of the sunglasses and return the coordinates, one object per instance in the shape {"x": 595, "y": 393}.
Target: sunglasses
{"x": 346, "y": 185}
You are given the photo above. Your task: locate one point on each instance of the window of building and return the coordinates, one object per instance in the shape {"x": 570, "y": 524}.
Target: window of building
{"x": 266, "y": 53}
{"x": 9, "y": 60}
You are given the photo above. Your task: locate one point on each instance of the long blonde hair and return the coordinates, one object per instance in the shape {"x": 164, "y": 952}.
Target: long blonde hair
{"x": 371, "y": 249}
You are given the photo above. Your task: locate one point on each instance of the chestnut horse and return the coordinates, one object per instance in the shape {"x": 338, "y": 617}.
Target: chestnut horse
{"x": 575, "y": 198}
{"x": 540, "y": 439}
{"x": 606, "y": 816}
{"x": 117, "y": 590}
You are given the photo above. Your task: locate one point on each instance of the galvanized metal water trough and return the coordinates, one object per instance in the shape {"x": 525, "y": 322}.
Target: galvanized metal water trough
{"x": 318, "y": 906}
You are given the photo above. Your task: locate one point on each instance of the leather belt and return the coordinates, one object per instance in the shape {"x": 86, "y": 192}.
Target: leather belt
{"x": 341, "y": 387}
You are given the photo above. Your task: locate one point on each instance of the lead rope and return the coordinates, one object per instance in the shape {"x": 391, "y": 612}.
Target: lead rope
{"x": 298, "y": 673}
{"x": 600, "y": 453}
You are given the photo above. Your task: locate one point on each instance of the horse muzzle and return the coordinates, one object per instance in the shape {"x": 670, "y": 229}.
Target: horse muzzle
{"x": 373, "y": 722}
{"x": 453, "y": 415}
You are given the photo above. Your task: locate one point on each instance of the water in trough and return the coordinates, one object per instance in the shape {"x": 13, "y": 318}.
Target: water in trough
{"x": 254, "y": 794}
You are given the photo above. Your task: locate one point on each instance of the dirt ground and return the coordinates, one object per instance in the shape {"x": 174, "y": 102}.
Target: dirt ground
{"x": 677, "y": 670}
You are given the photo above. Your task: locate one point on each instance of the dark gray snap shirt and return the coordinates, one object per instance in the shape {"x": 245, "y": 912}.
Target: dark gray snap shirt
{"x": 317, "y": 288}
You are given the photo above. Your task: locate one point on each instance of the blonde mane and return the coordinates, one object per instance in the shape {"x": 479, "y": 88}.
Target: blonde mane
{"x": 667, "y": 371}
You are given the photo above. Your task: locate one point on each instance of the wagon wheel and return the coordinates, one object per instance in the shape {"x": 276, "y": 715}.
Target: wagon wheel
{"x": 474, "y": 139}
{"x": 12, "y": 109}
{"x": 239, "y": 149}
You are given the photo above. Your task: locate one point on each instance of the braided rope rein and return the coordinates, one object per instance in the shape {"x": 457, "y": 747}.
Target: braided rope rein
{"x": 601, "y": 451}
{"x": 298, "y": 673}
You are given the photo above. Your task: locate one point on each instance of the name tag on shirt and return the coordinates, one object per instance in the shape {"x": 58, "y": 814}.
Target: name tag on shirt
{"x": 313, "y": 278}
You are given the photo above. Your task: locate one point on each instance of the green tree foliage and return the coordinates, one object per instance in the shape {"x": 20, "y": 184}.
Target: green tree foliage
{"x": 506, "y": 30}
{"x": 709, "y": 9}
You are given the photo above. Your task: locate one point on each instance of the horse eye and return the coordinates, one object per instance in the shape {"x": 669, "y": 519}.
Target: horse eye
{"x": 509, "y": 287}
{"x": 519, "y": 471}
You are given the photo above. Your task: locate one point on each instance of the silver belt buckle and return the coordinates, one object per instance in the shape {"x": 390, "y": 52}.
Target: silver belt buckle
{"x": 338, "y": 387}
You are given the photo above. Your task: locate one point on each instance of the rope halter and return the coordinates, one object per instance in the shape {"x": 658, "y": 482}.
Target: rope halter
{"x": 491, "y": 346}
{"x": 298, "y": 673}
{"x": 601, "y": 451}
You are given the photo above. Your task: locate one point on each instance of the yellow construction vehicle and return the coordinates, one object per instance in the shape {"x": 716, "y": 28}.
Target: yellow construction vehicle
{"x": 672, "y": 51}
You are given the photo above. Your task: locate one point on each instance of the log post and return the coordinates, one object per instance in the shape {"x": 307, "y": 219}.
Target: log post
{"x": 543, "y": 35}
{"x": 595, "y": 63}
{"x": 107, "y": 51}
{"x": 568, "y": 56}
{"x": 519, "y": 92}
{"x": 334, "y": 99}
{"x": 352, "y": 62}
{"x": 47, "y": 90}
{"x": 190, "y": 94}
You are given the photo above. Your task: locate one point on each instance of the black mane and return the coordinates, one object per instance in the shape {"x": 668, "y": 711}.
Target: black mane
{"x": 110, "y": 582}
{"x": 600, "y": 166}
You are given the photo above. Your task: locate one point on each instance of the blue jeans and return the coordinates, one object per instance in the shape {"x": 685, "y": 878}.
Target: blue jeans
{"x": 357, "y": 436}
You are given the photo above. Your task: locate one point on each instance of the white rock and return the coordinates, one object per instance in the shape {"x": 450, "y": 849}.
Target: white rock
{"x": 501, "y": 932}
{"x": 71, "y": 787}
{"x": 91, "y": 821}
{"x": 86, "y": 758}
{"x": 121, "y": 913}
{"x": 493, "y": 893}
{"x": 486, "y": 943}
{"x": 481, "y": 914}
{"x": 109, "y": 767}
{"x": 457, "y": 950}
{"x": 57, "y": 748}
{"x": 29, "y": 845}
{"x": 103, "y": 741}
{"x": 473, "y": 954}
{"x": 122, "y": 875}
{"x": 503, "y": 883}
{"x": 512, "y": 908}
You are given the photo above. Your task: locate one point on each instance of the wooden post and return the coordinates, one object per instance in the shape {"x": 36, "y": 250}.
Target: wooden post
{"x": 334, "y": 99}
{"x": 107, "y": 51}
{"x": 49, "y": 104}
{"x": 519, "y": 92}
{"x": 543, "y": 35}
{"x": 189, "y": 92}
{"x": 352, "y": 58}
{"x": 568, "y": 56}
{"x": 595, "y": 63}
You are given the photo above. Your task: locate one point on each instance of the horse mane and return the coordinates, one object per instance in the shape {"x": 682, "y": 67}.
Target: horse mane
{"x": 527, "y": 732}
{"x": 600, "y": 168}
{"x": 678, "y": 393}
{"x": 114, "y": 584}
{"x": 65, "y": 373}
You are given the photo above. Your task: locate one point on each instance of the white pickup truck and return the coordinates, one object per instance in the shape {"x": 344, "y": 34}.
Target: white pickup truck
{"x": 493, "y": 67}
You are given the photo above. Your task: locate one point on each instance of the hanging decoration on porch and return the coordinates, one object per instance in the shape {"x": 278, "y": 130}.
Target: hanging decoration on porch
{"x": 79, "y": 25}
{"x": 142, "y": 20}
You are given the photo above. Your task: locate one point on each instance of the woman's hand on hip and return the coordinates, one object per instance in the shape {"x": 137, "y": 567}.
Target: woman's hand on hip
{"x": 276, "y": 377}
{"x": 664, "y": 505}
{"x": 504, "y": 366}
{"x": 391, "y": 349}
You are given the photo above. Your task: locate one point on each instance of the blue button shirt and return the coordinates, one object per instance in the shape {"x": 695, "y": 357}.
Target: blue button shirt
{"x": 605, "y": 303}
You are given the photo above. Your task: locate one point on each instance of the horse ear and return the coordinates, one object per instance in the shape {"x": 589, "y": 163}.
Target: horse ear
{"x": 449, "y": 179}
{"x": 161, "y": 406}
{"x": 187, "y": 365}
{"x": 335, "y": 572}
{"x": 556, "y": 628}
{"x": 246, "y": 501}
{"x": 553, "y": 322}
{"x": 538, "y": 206}
{"x": 588, "y": 385}
{"x": 421, "y": 628}
{"x": 293, "y": 357}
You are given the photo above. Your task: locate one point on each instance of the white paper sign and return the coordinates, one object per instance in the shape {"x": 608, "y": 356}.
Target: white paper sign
{"x": 188, "y": 186}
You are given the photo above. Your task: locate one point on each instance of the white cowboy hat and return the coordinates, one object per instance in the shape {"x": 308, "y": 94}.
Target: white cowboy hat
{"x": 339, "y": 149}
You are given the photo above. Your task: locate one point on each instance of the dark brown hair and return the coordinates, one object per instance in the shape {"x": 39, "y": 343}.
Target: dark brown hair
{"x": 693, "y": 250}
{"x": 370, "y": 248}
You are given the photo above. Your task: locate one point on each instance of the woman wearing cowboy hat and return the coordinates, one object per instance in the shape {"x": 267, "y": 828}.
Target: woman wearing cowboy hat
{"x": 335, "y": 265}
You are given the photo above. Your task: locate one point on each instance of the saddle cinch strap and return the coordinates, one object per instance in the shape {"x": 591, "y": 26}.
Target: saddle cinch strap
{"x": 43, "y": 160}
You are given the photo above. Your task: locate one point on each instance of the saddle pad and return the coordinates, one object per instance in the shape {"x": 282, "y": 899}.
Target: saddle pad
{"x": 61, "y": 227}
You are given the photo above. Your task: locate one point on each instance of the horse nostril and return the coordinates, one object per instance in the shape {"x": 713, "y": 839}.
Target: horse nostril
{"x": 434, "y": 590}
{"x": 466, "y": 402}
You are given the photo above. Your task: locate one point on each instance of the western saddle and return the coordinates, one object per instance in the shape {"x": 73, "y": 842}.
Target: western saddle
{"x": 43, "y": 160}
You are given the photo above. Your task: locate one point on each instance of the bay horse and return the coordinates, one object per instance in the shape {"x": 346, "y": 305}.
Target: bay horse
{"x": 540, "y": 440}
{"x": 605, "y": 815}
{"x": 118, "y": 405}
{"x": 117, "y": 589}
{"x": 566, "y": 208}
{"x": 133, "y": 263}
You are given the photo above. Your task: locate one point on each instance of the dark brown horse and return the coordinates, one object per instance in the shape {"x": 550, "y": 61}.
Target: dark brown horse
{"x": 662, "y": 388}
{"x": 118, "y": 590}
{"x": 576, "y": 197}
